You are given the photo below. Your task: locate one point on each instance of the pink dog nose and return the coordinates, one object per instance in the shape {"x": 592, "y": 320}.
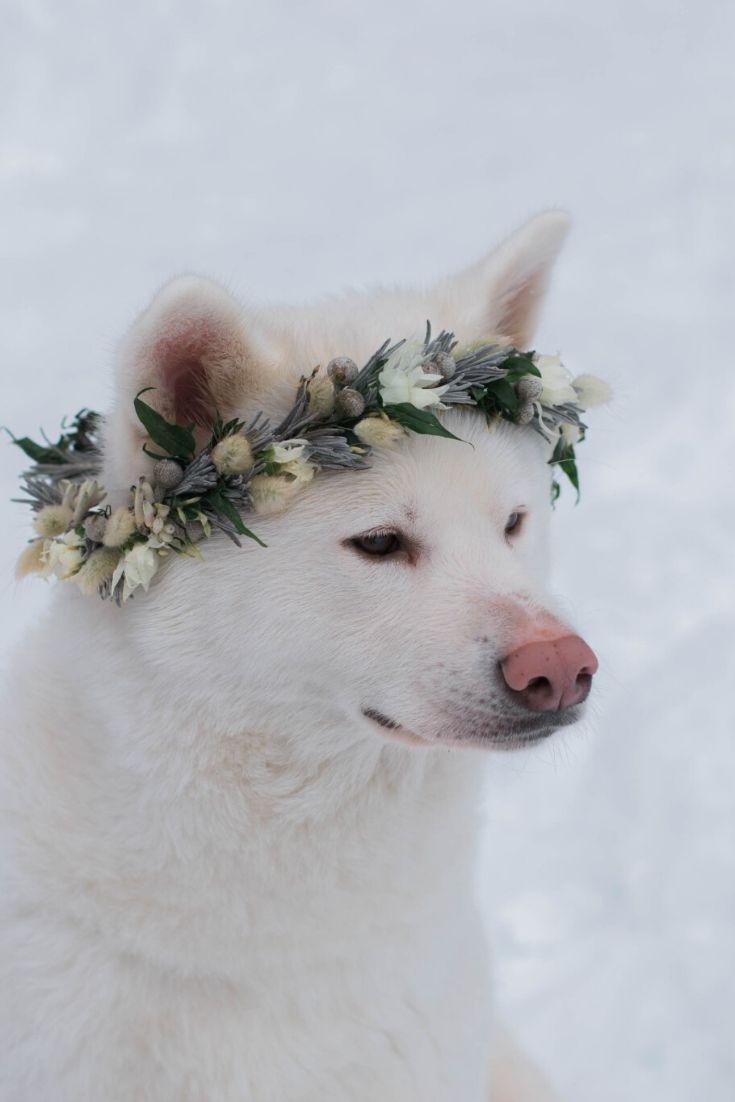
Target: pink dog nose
{"x": 551, "y": 674}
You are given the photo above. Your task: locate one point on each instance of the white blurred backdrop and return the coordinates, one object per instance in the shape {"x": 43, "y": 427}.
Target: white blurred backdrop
{"x": 289, "y": 149}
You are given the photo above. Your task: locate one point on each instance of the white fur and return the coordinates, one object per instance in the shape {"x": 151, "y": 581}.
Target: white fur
{"x": 221, "y": 880}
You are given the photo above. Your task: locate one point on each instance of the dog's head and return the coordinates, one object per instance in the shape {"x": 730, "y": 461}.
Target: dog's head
{"x": 404, "y": 601}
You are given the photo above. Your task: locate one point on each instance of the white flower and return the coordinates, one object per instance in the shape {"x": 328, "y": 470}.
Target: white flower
{"x": 591, "y": 391}
{"x": 142, "y": 495}
{"x": 137, "y": 568}
{"x": 291, "y": 457}
{"x": 233, "y": 455}
{"x": 88, "y": 494}
{"x": 162, "y": 532}
{"x": 272, "y": 493}
{"x": 63, "y": 556}
{"x": 378, "y": 432}
{"x": 403, "y": 379}
{"x": 287, "y": 451}
{"x": 556, "y": 380}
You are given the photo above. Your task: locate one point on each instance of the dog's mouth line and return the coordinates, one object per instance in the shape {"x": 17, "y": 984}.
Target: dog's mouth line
{"x": 380, "y": 719}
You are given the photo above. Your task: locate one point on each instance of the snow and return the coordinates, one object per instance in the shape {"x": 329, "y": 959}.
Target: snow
{"x": 290, "y": 149}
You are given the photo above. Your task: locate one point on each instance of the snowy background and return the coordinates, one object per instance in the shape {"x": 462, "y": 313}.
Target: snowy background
{"x": 291, "y": 148}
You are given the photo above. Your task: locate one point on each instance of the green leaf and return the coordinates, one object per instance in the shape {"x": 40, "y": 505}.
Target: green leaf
{"x": 224, "y": 506}
{"x": 419, "y": 420}
{"x": 39, "y": 453}
{"x": 565, "y": 459}
{"x": 503, "y": 393}
{"x": 174, "y": 439}
{"x": 519, "y": 364}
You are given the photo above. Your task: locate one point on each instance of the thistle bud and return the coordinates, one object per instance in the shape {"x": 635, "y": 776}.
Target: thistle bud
{"x": 349, "y": 402}
{"x": 378, "y": 432}
{"x": 94, "y": 527}
{"x": 342, "y": 370}
{"x": 167, "y": 474}
{"x": 529, "y": 388}
{"x": 53, "y": 520}
{"x": 233, "y": 455}
{"x": 525, "y": 413}
{"x": 443, "y": 364}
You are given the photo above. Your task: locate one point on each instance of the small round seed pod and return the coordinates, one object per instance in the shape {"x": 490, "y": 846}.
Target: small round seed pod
{"x": 525, "y": 413}
{"x": 94, "y": 527}
{"x": 342, "y": 370}
{"x": 444, "y": 365}
{"x": 349, "y": 402}
{"x": 529, "y": 388}
{"x": 167, "y": 474}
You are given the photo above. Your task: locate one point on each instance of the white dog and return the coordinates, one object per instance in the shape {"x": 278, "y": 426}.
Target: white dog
{"x": 239, "y": 813}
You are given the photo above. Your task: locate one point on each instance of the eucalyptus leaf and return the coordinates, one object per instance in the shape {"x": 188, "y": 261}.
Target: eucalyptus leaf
{"x": 39, "y": 453}
{"x": 419, "y": 420}
{"x": 174, "y": 439}
{"x": 223, "y": 505}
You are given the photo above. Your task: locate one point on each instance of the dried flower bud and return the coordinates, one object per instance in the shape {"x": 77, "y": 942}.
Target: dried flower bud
{"x": 525, "y": 413}
{"x": 53, "y": 520}
{"x": 443, "y": 364}
{"x": 272, "y": 493}
{"x": 233, "y": 455}
{"x": 321, "y": 395}
{"x": 97, "y": 569}
{"x": 529, "y": 388}
{"x": 342, "y": 370}
{"x": 349, "y": 402}
{"x": 94, "y": 527}
{"x": 119, "y": 528}
{"x": 167, "y": 474}
{"x": 591, "y": 391}
{"x": 31, "y": 560}
{"x": 378, "y": 432}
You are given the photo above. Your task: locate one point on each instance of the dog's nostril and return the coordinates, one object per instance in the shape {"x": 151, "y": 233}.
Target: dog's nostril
{"x": 550, "y": 675}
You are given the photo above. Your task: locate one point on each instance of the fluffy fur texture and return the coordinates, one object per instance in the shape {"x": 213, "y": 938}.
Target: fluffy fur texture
{"x": 222, "y": 879}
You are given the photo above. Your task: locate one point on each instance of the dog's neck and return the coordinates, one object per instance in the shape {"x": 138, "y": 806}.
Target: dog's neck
{"x": 180, "y": 812}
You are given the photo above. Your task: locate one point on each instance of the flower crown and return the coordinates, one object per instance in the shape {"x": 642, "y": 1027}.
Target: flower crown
{"x": 335, "y": 421}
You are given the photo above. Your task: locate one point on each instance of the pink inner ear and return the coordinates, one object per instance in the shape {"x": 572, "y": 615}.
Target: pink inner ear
{"x": 181, "y": 357}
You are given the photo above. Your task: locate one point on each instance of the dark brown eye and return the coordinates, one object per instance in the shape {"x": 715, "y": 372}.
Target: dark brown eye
{"x": 379, "y": 544}
{"x": 514, "y": 523}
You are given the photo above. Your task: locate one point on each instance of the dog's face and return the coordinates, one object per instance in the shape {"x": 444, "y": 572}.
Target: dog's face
{"x": 405, "y": 601}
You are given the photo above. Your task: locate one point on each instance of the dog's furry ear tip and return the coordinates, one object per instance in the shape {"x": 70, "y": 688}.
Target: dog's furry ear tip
{"x": 548, "y": 231}
{"x": 510, "y": 283}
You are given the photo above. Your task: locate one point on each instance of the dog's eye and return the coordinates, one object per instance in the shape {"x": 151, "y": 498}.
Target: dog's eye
{"x": 514, "y": 523}
{"x": 379, "y": 543}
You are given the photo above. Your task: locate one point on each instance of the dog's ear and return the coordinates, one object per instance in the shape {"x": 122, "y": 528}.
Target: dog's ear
{"x": 202, "y": 357}
{"x": 504, "y": 291}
